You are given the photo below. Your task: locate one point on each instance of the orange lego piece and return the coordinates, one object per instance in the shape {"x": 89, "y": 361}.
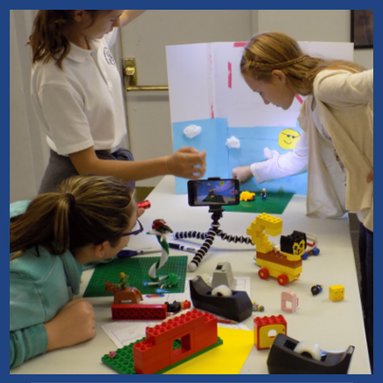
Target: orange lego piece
{"x": 196, "y": 331}
{"x": 266, "y": 329}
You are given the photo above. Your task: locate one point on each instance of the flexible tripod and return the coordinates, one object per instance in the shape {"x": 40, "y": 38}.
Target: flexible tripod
{"x": 210, "y": 236}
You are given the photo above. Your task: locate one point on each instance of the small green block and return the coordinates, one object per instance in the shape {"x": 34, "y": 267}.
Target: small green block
{"x": 122, "y": 362}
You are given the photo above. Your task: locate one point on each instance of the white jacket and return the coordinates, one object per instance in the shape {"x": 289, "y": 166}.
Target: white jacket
{"x": 342, "y": 104}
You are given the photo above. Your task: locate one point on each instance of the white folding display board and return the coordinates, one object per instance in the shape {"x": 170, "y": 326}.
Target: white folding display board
{"x": 205, "y": 84}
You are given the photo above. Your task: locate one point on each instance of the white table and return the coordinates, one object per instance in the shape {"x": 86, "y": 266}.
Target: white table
{"x": 332, "y": 325}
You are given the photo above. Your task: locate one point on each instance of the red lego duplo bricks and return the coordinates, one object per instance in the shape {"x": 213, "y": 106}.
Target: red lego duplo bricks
{"x": 195, "y": 331}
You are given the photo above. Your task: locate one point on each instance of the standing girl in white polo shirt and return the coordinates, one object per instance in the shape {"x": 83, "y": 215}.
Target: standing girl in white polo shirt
{"x": 76, "y": 93}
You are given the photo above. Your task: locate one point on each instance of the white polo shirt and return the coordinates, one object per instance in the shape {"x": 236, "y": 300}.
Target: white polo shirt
{"x": 82, "y": 105}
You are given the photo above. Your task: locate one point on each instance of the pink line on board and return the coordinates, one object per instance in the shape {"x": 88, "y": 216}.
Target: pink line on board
{"x": 211, "y": 101}
{"x": 239, "y": 45}
{"x": 230, "y": 74}
{"x": 299, "y": 98}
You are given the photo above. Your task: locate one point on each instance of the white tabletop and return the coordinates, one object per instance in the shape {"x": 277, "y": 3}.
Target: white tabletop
{"x": 332, "y": 325}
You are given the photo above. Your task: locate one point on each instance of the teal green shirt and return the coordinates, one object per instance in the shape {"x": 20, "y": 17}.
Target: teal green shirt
{"x": 40, "y": 285}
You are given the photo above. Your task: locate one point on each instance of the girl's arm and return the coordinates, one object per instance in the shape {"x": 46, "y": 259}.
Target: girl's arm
{"x": 129, "y": 15}
{"x": 340, "y": 87}
{"x": 186, "y": 163}
{"x": 288, "y": 164}
{"x": 27, "y": 343}
{"x": 74, "y": 323}
{"x": 28, "y": 337}
{"x": 69, "y": 128}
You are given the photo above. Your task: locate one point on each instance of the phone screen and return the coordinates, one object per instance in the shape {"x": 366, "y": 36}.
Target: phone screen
{"x": 213, "y": 192}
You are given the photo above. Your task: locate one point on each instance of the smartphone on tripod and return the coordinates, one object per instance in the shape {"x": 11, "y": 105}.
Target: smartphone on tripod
{"x": 213, "y": 192}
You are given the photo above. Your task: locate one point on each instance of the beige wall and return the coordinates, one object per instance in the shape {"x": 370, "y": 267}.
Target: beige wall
{"x": 28, "y": 150}
{"x": 314, "y": 25}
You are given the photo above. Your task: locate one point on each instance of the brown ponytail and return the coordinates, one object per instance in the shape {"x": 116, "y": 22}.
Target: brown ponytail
{"x": 47, "y": 40}
{"x": 86, "y": 209}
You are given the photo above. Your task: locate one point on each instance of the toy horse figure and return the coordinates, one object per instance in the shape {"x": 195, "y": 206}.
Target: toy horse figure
{"x": 128, "y": 294}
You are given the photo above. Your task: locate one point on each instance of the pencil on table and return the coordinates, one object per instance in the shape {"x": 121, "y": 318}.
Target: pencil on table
{"x": 227, "y": 321}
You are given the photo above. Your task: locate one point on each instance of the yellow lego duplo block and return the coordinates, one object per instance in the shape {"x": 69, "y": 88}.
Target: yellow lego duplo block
{"x": 336, "y": 293}
{"x": 265, "y": 223}
{"x": 292, "y": 257}
{"x": 272, "y": 225}
{"x": 274, "y": 231}
{"x": 261, "y": 239}
{"x": 246, "y": 196}
{"x": 265, "y": 248}
{"x": 266, "y": 329}
{"x": 252, "y": 229}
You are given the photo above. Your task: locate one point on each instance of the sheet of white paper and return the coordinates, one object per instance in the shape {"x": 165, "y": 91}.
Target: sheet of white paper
{"x": 123, "y": 333}
{"x": 238, "y": 326}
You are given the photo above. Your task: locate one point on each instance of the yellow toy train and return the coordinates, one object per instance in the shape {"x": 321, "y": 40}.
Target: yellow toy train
{"x": 285, "y": 263}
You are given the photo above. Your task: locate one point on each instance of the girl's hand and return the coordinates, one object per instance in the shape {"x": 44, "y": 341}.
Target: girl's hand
{"x": 370, "y": 177}
{"x": 73, "y": 324}
{"x": 187, "y": 162}
{"x": 242, "y": 173}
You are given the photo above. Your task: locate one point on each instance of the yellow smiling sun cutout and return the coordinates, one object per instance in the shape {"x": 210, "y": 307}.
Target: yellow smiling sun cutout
{"x": 288, "y": 138}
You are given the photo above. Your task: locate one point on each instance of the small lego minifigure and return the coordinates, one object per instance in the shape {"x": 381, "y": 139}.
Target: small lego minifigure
{"x": 316, "y": 289}
{"x": 257, "y": 307}
{"x": 263, "y": 193}
{"x": 123, "y": 284}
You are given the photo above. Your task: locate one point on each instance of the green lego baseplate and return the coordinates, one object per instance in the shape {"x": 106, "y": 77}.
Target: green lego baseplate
{"x": 123, "y": 361}
{"x": 138, "y": 270}
{"x": 275, "y": 203}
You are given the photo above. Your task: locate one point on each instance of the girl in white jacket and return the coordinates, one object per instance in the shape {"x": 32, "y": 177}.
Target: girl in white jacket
{"x": 336, "y": 145}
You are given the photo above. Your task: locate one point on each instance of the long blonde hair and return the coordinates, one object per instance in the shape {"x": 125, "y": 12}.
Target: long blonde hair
{"x": 266, "y": 52}
{"x": 86, "y": 209}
